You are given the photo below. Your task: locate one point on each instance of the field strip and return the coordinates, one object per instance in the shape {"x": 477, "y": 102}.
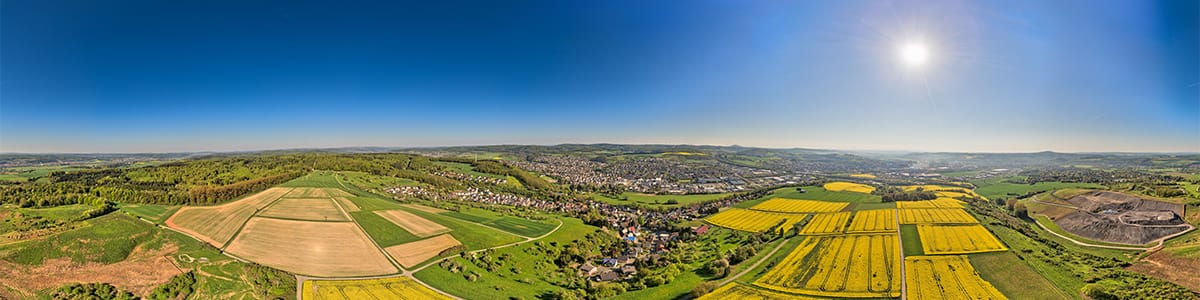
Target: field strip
{"x": 373, "y": 242}
{"x": 239, "y": 230}
{"x": 900, "y": 245}
{"x": 300, "y": 279}
{"x": 755, "y": 265}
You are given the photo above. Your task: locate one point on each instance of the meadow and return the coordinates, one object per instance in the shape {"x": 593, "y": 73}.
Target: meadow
{"x": 999, "y": 187}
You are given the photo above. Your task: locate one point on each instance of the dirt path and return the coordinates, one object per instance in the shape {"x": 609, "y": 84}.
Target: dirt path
{"x": 755, "y": 265}
{"x": 900, "y": 243}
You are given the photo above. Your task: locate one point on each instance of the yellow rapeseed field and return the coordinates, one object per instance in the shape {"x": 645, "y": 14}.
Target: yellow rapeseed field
{"x": 839, "y": 266}
{"x": 946, "y": 277}
{"x": 839, "y": 186}
{"x": 876, "y": 220}
{"x": 957, "y": 239}
{"x": 936, "y": 216}
{"x": 381, "y": 288}
{"x": 753, "y": 220}
{"x": 799, "y": 206}
{"x": 827, "y": 223}
{"x": 868, "y": 176}
{"x": 936, "y": 203}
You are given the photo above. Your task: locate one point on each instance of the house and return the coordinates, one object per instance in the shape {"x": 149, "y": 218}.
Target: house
{"x": 625, "y": 259}
{"x": 608, "y": 261}
{"x": 629, "y": 270}
{"x": 588, "y": 269}
{"x": 606, "y": 276}
{"x": 701, "y": 230}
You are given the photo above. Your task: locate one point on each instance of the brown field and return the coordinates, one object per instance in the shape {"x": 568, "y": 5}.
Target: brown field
{"x": 415, "y": 224}
{"x": 423, "y": 208}
{"x": 329, "y": 249}
{"x": 1180, "y": 270}
{"x": 411, "y": 254}
{"x": 317, "y": 193}
{"x": 347, "y": 204}
{"x": 140, "y": 273}
{"x": 305, "y": 209}
{"x": 217, "y": 224}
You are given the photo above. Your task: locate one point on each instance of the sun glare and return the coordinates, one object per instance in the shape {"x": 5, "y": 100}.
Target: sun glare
{"x": 914, "y": 54}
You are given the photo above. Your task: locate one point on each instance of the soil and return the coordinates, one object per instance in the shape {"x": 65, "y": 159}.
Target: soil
{"x": 1161, "y": 264}
{"x": 139, "y": 274}
{"x": 1119, "y": 218}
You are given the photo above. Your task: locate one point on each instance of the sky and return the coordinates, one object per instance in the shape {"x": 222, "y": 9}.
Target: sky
{"x": 213, "y": 75}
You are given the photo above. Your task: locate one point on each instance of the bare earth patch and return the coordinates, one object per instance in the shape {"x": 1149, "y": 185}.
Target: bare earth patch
{"x": 1161, "y": 264}
{"x": 425, "y": 208}
{"x": 217, "y": 224}
{"x": 305, "y": 209}
{"x": 411, "y": 254}
{"x": 327, "y": 249}
{"x": 140, "y": 273}
{"x": 415, "y": 224}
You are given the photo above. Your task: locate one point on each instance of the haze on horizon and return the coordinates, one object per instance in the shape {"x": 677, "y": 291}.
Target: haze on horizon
{"x": 1005, "y": 76}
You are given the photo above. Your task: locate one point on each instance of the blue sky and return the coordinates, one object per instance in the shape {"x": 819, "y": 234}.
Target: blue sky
{"x": 157, "y": 76}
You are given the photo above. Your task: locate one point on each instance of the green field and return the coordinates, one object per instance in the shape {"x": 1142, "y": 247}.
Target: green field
{"x": 374, "y": 183}
{"x": 384, "y": 232}
{"x": 521, "y": 226}
{"x": 469, "y": 233}
{"x": 319, "y": 179}
{"x": 995, "y": 188}
{"x": 651, "y": 200}
{"x": 911, "y": 239}
{"x": 527, "y": 273}
{"x": 153, "y": 213}
{"x": 1014, "y": 278}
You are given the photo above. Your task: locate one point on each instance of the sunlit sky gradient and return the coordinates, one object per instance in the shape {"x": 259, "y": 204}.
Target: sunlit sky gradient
{"x": 158, "y": 76}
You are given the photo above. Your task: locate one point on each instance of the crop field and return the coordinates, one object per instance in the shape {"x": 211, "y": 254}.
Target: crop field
{"x": 347, "y": 204}
{"x": 306, "y": 192}
{"x": 830, "y": 223}
{"x": 946, "y": 277}
{"x": 936, "y": 216}
{"x": 936, "y": 203}
{"x": 217, "y": 224}
{"x": 839, "y": 266}
{"x": 957, "y": 239}
{"x": 414, "y": 253}
{"x": 414, "y": 224}
{"x": 423, "y": 208}
{"x": 402, "y": 287}
{"x": 867, "y": 176}
{"x": 875, "y": 220}
{"x": 800, "y": 206}
{"x": 151, "y": 212}
{"x": 737, "y": 291}
{"x": 753, "y": 220}
{"x": 839, "y": 186}
{"x": 328, "y": 249}
{"x": 305, "y": 209}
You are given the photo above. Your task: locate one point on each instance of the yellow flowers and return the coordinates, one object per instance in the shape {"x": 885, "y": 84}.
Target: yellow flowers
{"x": 753, "y": 220}
{"x": 936, "y": 216}
{"x": 830, "y": 223}
{"x": 877, "y": 220}
{"x": 381, "y": 288}
{"x": 839, "y": 186}
{"x": 945, "y": 277}
{"x": 799, "y": 206}
{"x": 839, "y": 266}
{"x": 867, "y": 176}
{"x": 957, "y": 239}
{"x": 936, "y": 203}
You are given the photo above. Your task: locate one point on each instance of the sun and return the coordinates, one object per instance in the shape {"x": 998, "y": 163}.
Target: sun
{"x": 914, "y": 54}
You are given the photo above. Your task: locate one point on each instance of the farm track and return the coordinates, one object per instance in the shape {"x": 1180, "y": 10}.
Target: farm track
{"x": 755, "y": 265}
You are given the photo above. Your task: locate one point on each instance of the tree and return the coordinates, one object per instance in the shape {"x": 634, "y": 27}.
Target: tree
{"x": 1020, "y": 211}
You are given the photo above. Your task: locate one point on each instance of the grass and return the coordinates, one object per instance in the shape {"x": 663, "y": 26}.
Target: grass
{"x": 471, "y": 235}
{"x": 106, "y": 239}
{"x": 374, "y": 183}
{"x": 381, "y": 230}
{"x": 23, "y": 174}
{"x": 1014, "y": 278}
{"x": 911, "y": 239}
{"x": 631, "y": 198}
{"x": 993, "y": 188}
{"x": 789, "y": 245}
{"x": 374, "y": 203}
{"x": 467, "y": 169}
{"x": 318, "y": 179}
{"x": 521, "y": 226}
{"x": 153, "y": 213}
{"x": 527, "y": 274}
